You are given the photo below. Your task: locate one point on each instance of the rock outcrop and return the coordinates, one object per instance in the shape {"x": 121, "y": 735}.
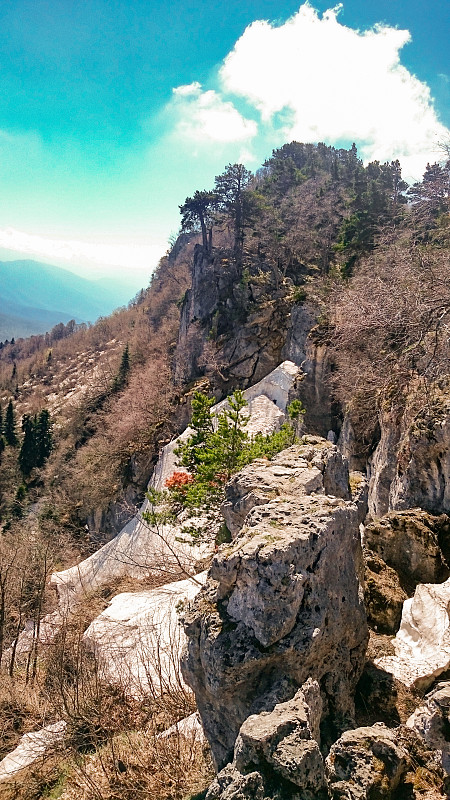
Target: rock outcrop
{"x": 277, "y": 753}
{"x": 249, "y": 326}
{"x": 383, "y": 595}
{"x": 317, "y": 467}
{"x": 411, "y": 467}
{"x": 283, "y": 603}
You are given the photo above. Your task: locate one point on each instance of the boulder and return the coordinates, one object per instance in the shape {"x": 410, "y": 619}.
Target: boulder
{"x": 408, "y": 541}
{"x": 422, "y": 645}
{"x": 365, "y": 763}
{"x": 277, "y": 752}
{"x": 431, "y": 721}
{"x": 284, "y": 600}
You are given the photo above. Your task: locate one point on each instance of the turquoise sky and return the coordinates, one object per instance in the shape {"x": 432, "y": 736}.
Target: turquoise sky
{"x": 97, "y": 150}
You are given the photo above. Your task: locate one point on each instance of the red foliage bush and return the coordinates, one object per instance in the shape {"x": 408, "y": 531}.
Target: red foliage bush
{"x": 179, "y": 480}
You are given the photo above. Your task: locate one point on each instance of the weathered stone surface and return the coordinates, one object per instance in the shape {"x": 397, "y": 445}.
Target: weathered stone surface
{"x": 303, "y": 318}
{"x": 432, "y": 723}
{"x": 249, "y": 329}
{"x": 422, "y": 645}
{"x": 411, "y": 465}
{"x": 408, "y": 541}
{"x": 282, "y": 746}
{"x": 359, "y": 489}
{"x": 365, "y": 763}
{"x": 231, "y": 784}
{"x": 138, "y": 639}
{"x": 284, "y": 600}
{"x": 383, "y": 595}
{"x": 31, "y": 748}
{"x": 315, "y": 466}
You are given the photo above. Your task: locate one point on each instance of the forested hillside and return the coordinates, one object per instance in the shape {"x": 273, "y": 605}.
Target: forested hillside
{"x": 316, "y": 258}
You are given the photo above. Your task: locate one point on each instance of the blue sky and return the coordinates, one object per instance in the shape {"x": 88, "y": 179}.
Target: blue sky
{"x": 112, "y": 112}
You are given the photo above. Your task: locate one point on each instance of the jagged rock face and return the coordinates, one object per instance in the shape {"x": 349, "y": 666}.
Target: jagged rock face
{"x": 302, "y": 320}
{"x": 249, "y": 343}
{"x": 313, "y": 388}
{"x": 277, "y": 753}
{"x": 365, "y": 763}
{"x": 422, "y": 645}
{"x": 408, "y": 541}
{"x": 316, "y": 466}
{"x": 283, "y": 601}
{"x": 411, "y": 467}
{"x": 432, "y": 723}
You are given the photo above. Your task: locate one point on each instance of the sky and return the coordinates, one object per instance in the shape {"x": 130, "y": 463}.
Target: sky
{"x": 112, "y": 112}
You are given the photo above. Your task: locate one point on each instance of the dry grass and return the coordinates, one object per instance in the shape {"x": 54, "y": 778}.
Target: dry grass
{"x": 136, "y": 764}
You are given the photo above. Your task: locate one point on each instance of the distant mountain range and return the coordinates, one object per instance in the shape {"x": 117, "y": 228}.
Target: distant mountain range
{"x": 34, "y": 297}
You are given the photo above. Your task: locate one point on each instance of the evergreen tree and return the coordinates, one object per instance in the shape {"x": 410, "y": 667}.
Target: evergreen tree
{"x": 9, "y": 428}
{"x": 1, "y": 420}
{"x": 44, "y": 438}
{"x": 198, "y": 210}
{"x": 122, "y": 376}
{"x": 230, "y": 190}
{"x": 28, "y": 450}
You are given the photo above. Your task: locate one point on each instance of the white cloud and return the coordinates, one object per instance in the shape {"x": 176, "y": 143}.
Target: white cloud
{"x": 206, "y": 116}
{"x": 314, "y": 79}
{"x": 120, "y": 257}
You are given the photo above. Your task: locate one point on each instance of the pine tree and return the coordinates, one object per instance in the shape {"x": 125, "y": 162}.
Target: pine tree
{"x": 44, "y": 438}
{"x": 9, "y": 428}
{"x": 28, "y": 451}
{"x": 121, "y": 378}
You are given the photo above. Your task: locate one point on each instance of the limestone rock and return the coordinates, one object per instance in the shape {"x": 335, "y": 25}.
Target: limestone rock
{"x": 359, "y": 489}
{"x": 303, "y": 318}
{"x": 281, "y": 747}
{"x": 411, "y": 465}
{"x": 383, "y": 595}
{"x": 283, "y": 601}
{"x": 138, "y": 639}
{"x": 432, "y": 723}
{"x": 365, "y": 763}
{"x": 408, "y": 541}
{"x": 422, "y": 645}
{"x": 315, "y": 466}
{"x": 32, "y": 746}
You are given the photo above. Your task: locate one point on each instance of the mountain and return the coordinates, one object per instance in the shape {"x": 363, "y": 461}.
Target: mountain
{"x": 35, "y": 296}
